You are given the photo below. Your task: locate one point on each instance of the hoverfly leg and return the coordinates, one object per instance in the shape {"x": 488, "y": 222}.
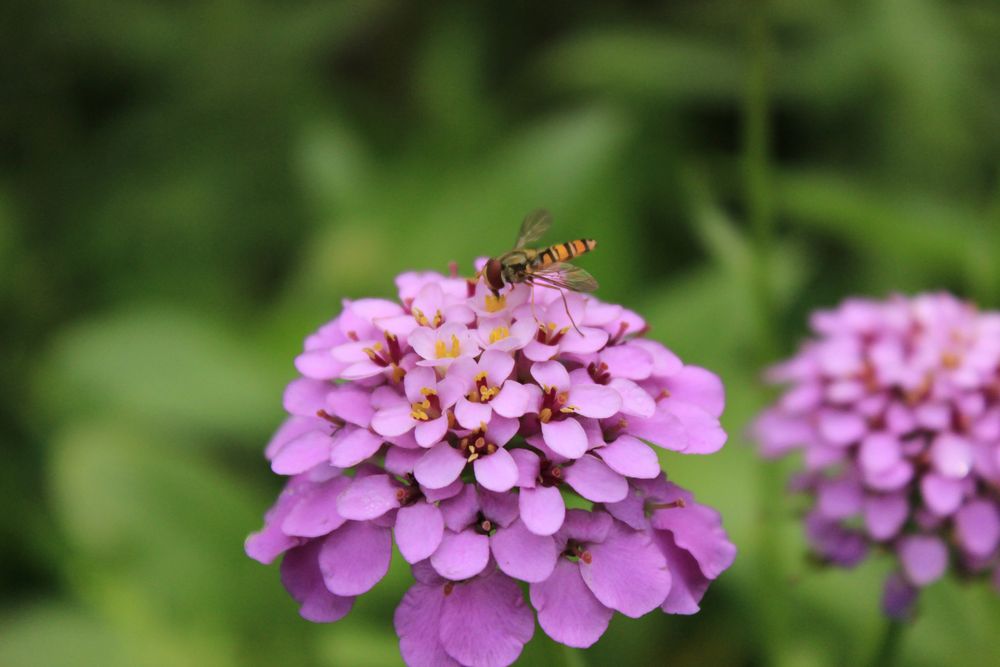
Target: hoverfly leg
{"x": 566, "y": 306}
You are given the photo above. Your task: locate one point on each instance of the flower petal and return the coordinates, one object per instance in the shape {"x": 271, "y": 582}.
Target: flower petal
{"x": 439, "y": 466}
{"x": 523, "y": 554}
{"x": 304, "y": 452}
{"x": 419, "y": 530}
{"x": 924, "y": 558}
{"x": 550, "y": 374}
{"x": 470, "y": 415}
{"x": 627, "y": 572}
{"x": 393, "y": 421}
{"x": 461, "y": 555}
{"x": 512, "y": 401}
{"x": 594, "y": 400}
{"x": 316, "y": 513}
{"x": 567, "y": 611}
{"x": 417, "y": 621}
{"x": 636, "y": 401}
{"x": 566, "y": 438}
{"x": 302, "y": 578}
{"x": 496, "y": 471}
{"x": 977, "y": 526}
{"x": 542, "y": 509}
{"x": 354, "y": 448}
{"x": 431, "y": 432}
{"x": 700, "y": 387}
{"x": 595, "y": 481}
{"x": 355, "y": 557}
{"x": 630, "y": 457}
{"x": 486, "y": 622}
{"x": 368, "y": 498}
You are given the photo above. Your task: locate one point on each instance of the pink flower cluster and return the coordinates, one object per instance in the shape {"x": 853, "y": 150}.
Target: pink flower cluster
{"x": 896, "y": 407}
{"x": 458, "y": 423}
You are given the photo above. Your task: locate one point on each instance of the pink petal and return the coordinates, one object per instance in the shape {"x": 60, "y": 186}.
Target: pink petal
{"x": 470, "y": 415}
{"x": 627, "y": 572}
{"x": 594, "y": 400}
{"x": 368, "y": 498}
{"x": 839, "y": 427}
{"x": 635, "y": 400}
{"x": 417, "y": 622}
{"x": 630, "y": 457}
{"x": 687, "y": 582}
{"x": 628, "y": 361}
{"x": 416, "y": 381}
{"x": 496, "y": 471}
{"x": 550, "y": 374}
{"x": 977, "y": 526}
{"x": 567, "y": 611}
{"x": 497, "y": 365}
{"x": 315, "y": 514}
{"x": 461, "y": 555}
{"x": 431, "y": 432}
{"x": 355, "y": 557}
{"x": 419, "y": 530}
{"x": 393, "y": 421}
{"x": 595, "y": 481}
{"x": 495, "y": 608}
{"x": 318, "y": 364}
{"x": 540, "y": 352}
{"x": 304, "y": 452}
{"x": 528, "y": 467}
{"x": 512, "y": 401}
{"x": 351, "y": 405}
{"x": 542, "y": 509}
{"x": 700, "y": 387}
{"x": 566, "y": 438}
{"x": 439, "y": 467}
{"x": 354, "y": 448}
{"x": 951, "y": 455}
{"x": 879, "y": 452}
{"x": 461, "y": 509}
{"x": 885, "y": 515}
{"x": 924, "y": 558}
{"x": 942, "y": 495}
{"x": 523, "y": 554}
{"x": 301, "y": 576}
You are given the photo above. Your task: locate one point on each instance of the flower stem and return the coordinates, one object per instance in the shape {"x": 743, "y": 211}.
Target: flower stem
{"x": 888, "y": 649}
{"x": 572, "y": 657}
{"x": 758, "y": 199}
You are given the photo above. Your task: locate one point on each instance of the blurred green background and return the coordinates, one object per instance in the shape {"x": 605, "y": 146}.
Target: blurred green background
{"x": 188, "y": 188}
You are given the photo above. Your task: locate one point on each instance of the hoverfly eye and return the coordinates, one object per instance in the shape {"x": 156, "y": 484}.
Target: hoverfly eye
{"x": 494, "y": 275}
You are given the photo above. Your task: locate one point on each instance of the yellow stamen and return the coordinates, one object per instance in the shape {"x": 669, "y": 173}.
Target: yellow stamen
{"x": 564, "y": 330}
{"x": 441, "y": 349}
{"x": 499, "y": 333}
{"x": 419, "y": 316}
{"x": 486, "y": 393}
{"x": 456, "y": 347}
{"x": 398, "y": 373}
{"x": 480, "y": 376}
{"x": 569, "y": 409}
{"x": 495, "y": 303}
{"x": 427, "y": 391}
{"x": 552, "y": 326}
{"x": 545, "y": 415}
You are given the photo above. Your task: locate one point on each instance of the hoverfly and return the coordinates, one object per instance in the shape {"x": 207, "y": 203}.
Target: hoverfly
{"x": 547, "y": 267}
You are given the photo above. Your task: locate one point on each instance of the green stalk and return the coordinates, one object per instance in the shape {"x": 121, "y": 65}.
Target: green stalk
{"x": 889, "y": 646}
{"x": 759, "y": 200}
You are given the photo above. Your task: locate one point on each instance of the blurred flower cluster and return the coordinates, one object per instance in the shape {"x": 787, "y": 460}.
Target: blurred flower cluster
{"x": 896, "y": 406}
{"x": 460, "y": 422}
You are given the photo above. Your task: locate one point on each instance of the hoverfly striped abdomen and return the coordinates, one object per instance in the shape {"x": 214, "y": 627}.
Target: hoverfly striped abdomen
{"x": 562, "y": 252}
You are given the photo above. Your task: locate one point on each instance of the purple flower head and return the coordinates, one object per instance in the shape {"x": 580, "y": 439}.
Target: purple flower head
{"x": 458, "y": 423}
{"x": 896, "y": 408}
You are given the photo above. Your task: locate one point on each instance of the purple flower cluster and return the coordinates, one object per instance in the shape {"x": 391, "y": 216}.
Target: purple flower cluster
{"x": 896, "y": 406}
{"x": 458, "y": 423}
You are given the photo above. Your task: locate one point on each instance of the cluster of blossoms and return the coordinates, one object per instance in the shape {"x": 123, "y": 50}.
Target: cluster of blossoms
{"x": 896, "y": 405}
{"x": 459, "y": 423}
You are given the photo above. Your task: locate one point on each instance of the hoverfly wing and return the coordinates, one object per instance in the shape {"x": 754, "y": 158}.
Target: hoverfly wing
{"x": 565, "y": 275}
{"x": 533, "y": 227}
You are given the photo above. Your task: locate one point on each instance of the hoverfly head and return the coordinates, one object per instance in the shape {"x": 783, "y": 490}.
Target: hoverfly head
{"x": 494, "y": 275}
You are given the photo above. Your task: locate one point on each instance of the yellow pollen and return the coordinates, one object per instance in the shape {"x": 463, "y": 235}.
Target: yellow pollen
{"x": 569, "y": 408}
{"x": 378, "y": 347}
{"x": 490, "y": 448}
{"x": 427, "y": 391}
{"x": 552, "y": 326}
{"x": 486, "y": 393}
{"x": 495, "y": 303}
{"x": 419, "y": 316}
{"x": 562, "y": 397}
{"x": 545, "y": 415}
{"x": 441, "y": 349}
{"x": 473, "y": 457}
{"x": 480, "y": 376}
{"x": 564, "y": 330}
{"x": 499, "y": 333}
{"x": 397, "y": 373}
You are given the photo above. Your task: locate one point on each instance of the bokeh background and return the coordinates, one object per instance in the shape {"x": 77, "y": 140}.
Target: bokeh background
{"x": 188, "y": 188}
